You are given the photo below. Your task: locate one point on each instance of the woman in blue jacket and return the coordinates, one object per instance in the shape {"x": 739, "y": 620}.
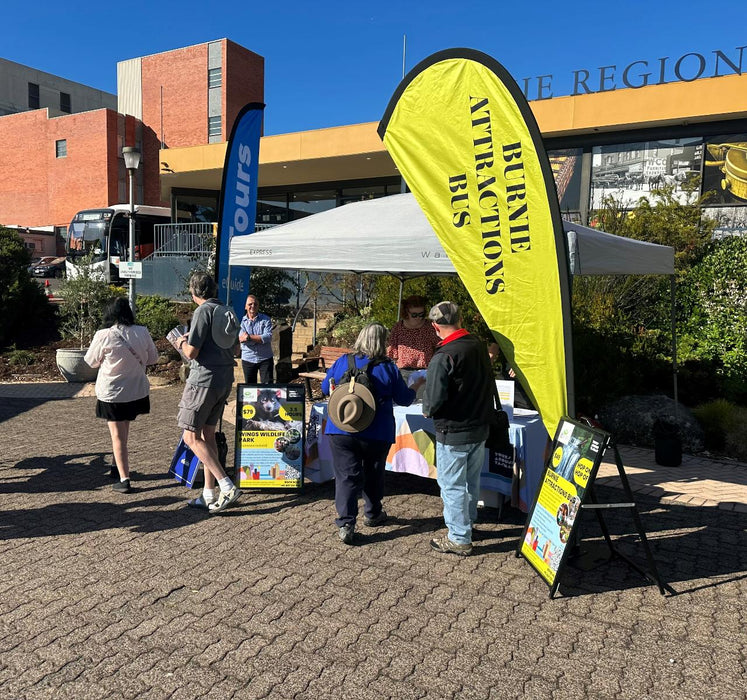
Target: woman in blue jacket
{"x": 359, "y": 454}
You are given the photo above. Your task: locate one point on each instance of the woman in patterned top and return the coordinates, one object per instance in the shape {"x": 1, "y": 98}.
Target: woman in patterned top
{"x": 412, "y": 340}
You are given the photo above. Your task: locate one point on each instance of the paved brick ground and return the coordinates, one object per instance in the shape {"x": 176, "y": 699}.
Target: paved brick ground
{"x": 105, "y": 595}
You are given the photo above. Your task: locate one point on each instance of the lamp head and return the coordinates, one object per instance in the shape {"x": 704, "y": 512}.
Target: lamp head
{"x": 131, "y": 157}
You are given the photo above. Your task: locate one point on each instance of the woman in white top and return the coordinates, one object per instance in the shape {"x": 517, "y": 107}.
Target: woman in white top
{"x": 121, "y": 350}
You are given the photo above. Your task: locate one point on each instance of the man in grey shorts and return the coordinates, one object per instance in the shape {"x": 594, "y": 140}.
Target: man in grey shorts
{"x": 210, "y": 346}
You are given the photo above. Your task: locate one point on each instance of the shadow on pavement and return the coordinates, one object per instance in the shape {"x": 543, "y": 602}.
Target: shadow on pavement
{"x": 688, "y": 543}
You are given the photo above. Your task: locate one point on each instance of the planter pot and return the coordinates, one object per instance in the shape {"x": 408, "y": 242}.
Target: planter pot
{"x": 73, "y": 367}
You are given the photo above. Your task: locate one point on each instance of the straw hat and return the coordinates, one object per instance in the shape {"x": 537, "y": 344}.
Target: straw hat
{"x": 351, "y": 407}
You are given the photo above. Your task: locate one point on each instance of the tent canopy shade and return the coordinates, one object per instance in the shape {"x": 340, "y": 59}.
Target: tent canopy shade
{"x": 391, "y": 235}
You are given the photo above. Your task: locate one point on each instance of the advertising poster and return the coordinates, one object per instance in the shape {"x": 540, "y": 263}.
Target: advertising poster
{"x": 269, "y": 436}
{"x": 576, "y": 453}
{"x": 630, "y": 171}
{"x": 725, "y": 170}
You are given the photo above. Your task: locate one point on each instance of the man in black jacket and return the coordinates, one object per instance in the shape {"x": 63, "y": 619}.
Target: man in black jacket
{"x": 459, "y": 397}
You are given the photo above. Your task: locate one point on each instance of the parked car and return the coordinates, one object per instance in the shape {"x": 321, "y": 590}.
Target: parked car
{"x": 39, "y": 261}
{"x": 53, "y": 267}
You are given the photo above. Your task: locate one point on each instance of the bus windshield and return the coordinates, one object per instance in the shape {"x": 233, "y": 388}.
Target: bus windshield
{"x": 87, "y": 235}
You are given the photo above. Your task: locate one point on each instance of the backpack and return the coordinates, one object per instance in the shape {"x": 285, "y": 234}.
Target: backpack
{"x": 361, "y": 375}
{"x": 225, "y": 326}
{"x": 352, "y": 405}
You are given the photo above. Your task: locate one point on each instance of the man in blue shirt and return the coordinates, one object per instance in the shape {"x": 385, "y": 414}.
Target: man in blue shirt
{"x": 256, "y": 344}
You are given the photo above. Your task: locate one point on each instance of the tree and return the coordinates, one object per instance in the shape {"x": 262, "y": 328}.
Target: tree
{"x": 25, "y": 313}
{"x": 84, "y": 298}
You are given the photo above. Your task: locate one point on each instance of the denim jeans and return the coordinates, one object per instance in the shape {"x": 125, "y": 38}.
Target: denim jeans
{"x": 458, "y": 474}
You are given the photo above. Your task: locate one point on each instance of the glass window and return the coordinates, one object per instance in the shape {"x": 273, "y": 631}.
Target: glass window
{"x": 566, "y": 170}
{"x": 197, "y": 208}
{"x": 215, "y": 77}
{"x": 272, "y": 209}
{"x": 65, "y": 102}
{"x": 214, "y": 127}
{"x": 304, "y": 203}
{"x": 60, "y": 148}
{"x": 33, "y": 96}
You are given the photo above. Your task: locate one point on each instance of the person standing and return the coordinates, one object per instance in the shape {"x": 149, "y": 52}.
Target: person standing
{"x": 121, "y": 351}
{"x": 210, "y": 346}
{"x": 361, "y": 435}
{"x": 412, "y": 340}
{"x": 459, "y": 398}
{"x": 256, "y": 344}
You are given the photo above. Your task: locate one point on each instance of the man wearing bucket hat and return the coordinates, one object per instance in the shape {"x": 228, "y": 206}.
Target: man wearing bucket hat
{"x": 360, "y": 426}
{"x": 459, "y": 398}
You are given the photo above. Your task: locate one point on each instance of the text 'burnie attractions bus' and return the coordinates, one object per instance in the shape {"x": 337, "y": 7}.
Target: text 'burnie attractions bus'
{"x": 104, "y": 234}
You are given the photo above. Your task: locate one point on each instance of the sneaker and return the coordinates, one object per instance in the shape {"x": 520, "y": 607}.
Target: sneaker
{"x": 122, "y": 486}
{"x": 346, "y": 534}
{"x": 224, "y": 500}
{"x": 199, "y": 503}
{"x": 445, "y": 546}
{"x": 377, "y": 520}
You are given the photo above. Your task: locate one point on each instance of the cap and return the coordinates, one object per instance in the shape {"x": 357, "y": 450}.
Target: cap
{"x": 445, "y": 313}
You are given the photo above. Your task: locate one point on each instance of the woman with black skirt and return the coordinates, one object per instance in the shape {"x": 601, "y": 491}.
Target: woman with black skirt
{"x": 121, "y": 351}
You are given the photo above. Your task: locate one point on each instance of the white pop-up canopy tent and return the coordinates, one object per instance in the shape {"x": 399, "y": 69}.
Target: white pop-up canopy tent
{"x": 391, "y": 235}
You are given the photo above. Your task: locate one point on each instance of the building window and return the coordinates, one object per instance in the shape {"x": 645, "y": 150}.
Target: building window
{"x": 33, "y": 96}
{"x": 60, "y": 148}
{"x": 215, "y": 76}
{"x": 214, "y": 127}
{"x": 65, "y": 102}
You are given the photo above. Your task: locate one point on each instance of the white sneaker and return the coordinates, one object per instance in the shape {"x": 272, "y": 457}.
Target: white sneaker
{"x": 225, "y": 499}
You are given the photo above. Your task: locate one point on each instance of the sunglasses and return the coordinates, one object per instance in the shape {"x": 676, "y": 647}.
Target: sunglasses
{"x": 421, "y": 314}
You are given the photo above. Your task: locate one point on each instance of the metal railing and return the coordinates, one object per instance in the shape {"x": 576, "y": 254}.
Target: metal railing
{"x": 183, "y": 239}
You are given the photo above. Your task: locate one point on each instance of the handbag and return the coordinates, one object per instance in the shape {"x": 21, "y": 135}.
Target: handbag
{"x": 498, "y": 439}
{"x": 184, "y": 465}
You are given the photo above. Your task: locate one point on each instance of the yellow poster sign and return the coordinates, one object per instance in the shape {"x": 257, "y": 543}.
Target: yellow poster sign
{"x": 466, "y": 143}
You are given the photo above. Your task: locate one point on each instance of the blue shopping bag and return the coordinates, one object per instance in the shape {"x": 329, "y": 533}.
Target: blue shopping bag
{"x": 184, "y": 465}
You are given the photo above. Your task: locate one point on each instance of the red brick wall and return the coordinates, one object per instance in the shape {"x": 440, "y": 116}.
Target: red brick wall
{"x": 243, "y": 82}
{"x": 183, "y": 76}
{"x": 38, "y": 189}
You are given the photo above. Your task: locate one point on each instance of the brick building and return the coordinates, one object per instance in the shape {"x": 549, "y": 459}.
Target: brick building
{"x": 53, "y": 164}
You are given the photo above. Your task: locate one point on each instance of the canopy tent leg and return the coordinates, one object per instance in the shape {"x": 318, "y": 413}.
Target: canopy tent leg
{"x": 399, "y": 301}
{"x": 674, "y": 349}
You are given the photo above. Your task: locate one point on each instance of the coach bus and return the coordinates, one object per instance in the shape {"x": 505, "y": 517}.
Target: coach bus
{"x": 104, "y": 234}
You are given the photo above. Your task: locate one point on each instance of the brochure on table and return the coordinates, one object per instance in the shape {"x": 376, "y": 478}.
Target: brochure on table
{"x": 269, "y": 436}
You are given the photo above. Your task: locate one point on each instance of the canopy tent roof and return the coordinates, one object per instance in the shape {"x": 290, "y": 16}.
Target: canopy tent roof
{"x": 391, "y": 235}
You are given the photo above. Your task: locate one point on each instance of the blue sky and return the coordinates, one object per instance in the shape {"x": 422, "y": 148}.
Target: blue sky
{"x": 335, "y": 63}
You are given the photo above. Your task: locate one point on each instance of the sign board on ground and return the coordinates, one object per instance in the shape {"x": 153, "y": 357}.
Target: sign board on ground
{"x": 269, "y": 444}
{"x": 576, "y": 454}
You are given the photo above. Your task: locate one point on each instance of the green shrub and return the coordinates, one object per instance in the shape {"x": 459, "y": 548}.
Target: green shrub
{"x": 718, "y": 419}
{"x": 20, "y": 358}
{"x": 157, "y": 314}
{"x": 345, "y": 330}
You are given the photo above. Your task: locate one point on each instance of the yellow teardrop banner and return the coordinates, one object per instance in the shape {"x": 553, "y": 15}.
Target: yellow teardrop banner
{"x": 465, "y": 140}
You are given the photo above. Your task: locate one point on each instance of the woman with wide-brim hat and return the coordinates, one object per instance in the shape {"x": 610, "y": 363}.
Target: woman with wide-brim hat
{"x": 360, "y": 426}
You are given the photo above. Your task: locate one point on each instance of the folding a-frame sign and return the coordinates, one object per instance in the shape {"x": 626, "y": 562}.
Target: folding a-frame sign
{"x": 566, "y": 490}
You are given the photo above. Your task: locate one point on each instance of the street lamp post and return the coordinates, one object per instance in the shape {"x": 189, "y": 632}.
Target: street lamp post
{"x": 132, "y": 161}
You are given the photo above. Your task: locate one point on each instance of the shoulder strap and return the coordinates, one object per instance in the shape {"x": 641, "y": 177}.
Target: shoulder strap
{"x": 127, "y": 345}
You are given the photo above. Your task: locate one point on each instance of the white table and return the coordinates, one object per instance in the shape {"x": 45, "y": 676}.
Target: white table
{"x": 414, "y": 452}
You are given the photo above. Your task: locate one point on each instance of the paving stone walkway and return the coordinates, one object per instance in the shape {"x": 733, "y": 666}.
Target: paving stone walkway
{"x": 135, "y": 596}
